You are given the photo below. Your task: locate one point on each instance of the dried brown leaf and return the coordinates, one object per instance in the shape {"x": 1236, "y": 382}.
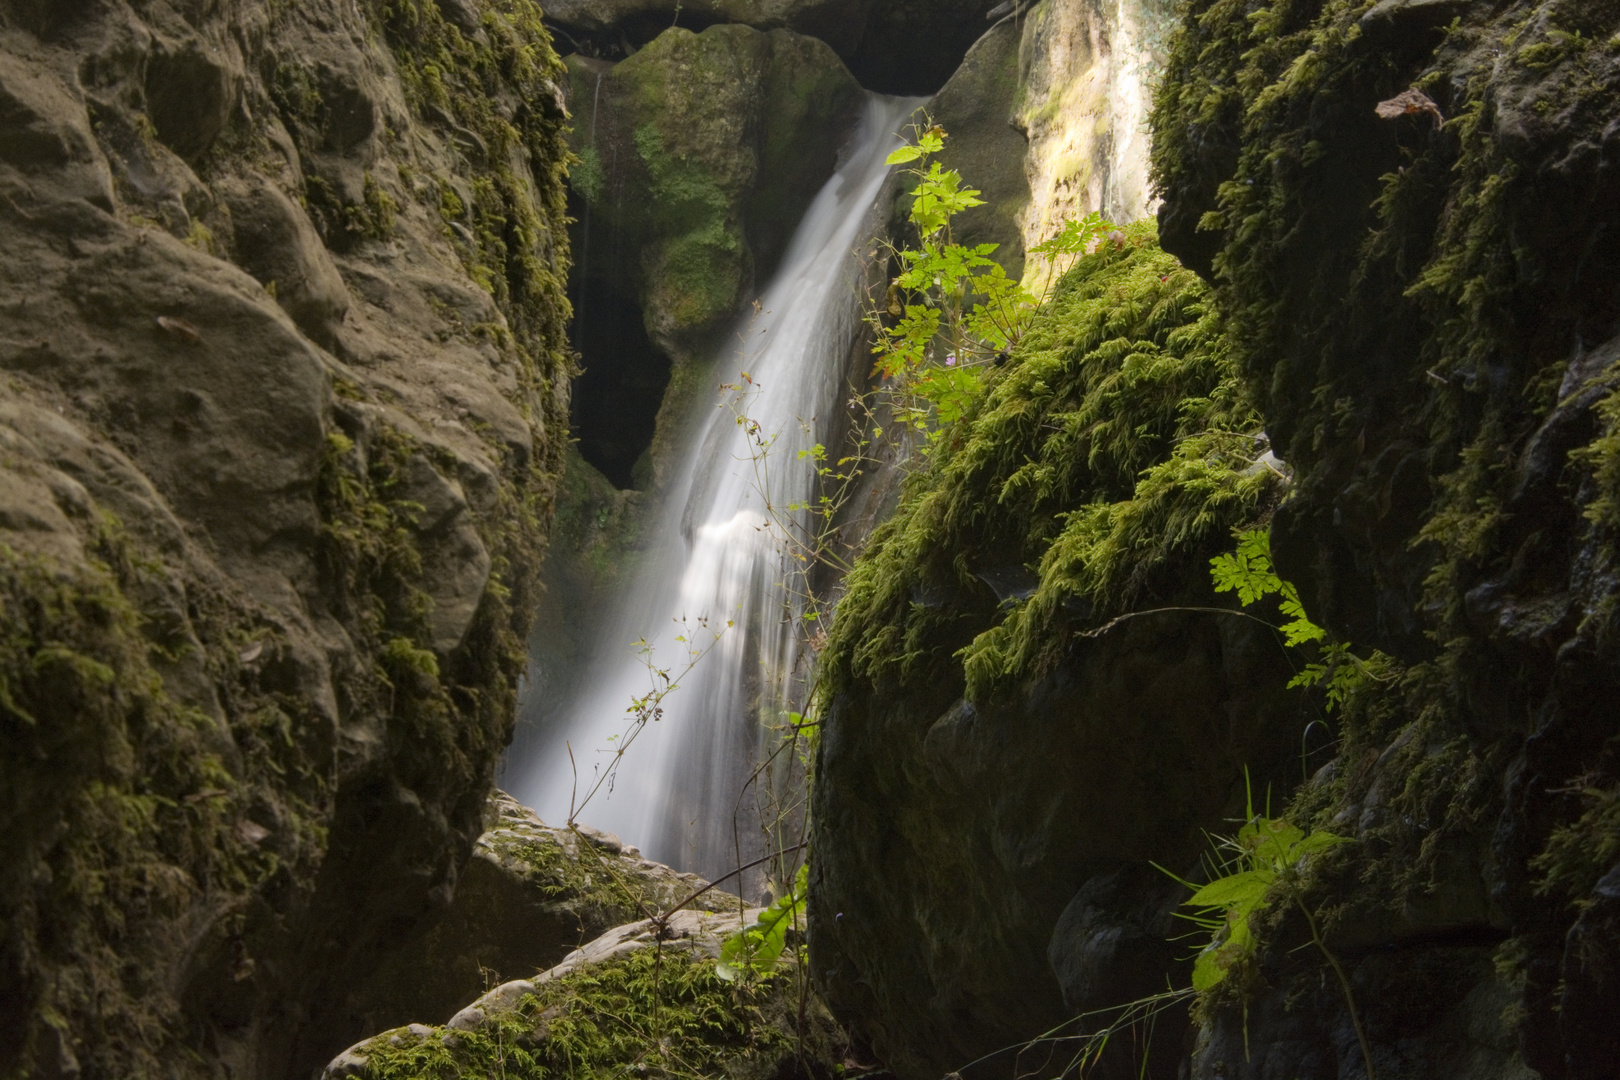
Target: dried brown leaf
{"x": 180, "y": 328}
{"x": 1407, "y": 103}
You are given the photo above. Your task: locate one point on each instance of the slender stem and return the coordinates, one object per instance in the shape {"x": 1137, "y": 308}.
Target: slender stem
{"x": 1344, "y": 980}
{"x": 1110, "y": 624}
{"x": 732, "y": 874}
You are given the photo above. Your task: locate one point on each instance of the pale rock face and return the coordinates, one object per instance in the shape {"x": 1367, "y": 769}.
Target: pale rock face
{"x": 1047, "y": 117}
{"x": 1084, "y": 109}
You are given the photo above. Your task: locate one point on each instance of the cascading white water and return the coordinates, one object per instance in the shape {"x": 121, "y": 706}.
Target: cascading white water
{"x": 678, "y": 787}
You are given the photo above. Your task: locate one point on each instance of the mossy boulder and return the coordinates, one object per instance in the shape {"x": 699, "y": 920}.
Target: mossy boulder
{"x": 700, "y": 153}
{"x": 643, "y": 997}
{"x": 285, "y": 399}
{"x": 1029, "y": 699}
{"x": 530, "y": 895}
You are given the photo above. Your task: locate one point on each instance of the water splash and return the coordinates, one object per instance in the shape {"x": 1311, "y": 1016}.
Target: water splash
{"x": 678, "y": 790}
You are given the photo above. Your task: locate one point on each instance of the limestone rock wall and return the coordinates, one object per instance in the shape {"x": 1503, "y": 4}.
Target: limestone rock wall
{"x": 282, "y": 318}
{"x": 1048, "y": 116}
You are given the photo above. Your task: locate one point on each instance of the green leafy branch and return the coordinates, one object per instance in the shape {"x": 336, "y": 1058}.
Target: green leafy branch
{"x": 1248, "y": 571}
{"x": 757, "y": 948}
{"x": 952, "y": 310}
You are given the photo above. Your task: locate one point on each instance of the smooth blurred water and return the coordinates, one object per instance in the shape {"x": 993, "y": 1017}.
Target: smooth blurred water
{"x": 679, "y": 793}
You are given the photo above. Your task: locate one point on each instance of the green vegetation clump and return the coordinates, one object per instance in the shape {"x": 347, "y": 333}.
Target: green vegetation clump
{"x": 89, "y": 735}
{"x": 651, "y": 1013}
{"x": 1116, "y": 440}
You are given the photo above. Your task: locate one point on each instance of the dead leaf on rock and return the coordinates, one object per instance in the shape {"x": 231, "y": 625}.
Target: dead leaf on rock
{"x": 180, "y": 328}
{"x": 1407, "y": 103}
{"x": 250, "y": 832}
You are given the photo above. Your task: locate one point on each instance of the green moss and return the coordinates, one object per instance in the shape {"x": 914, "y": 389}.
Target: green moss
{"x": 1391, "y": 285}
{"x": 516, "y": 218}
{"x": 645, "y": 1014}
{"x": 89, "y": 736}
{"x": 702, "y": 257}
{"x": 588, "y": 177}
{"x": 1580, "y": 852}
{"x": 1116, "y": 444}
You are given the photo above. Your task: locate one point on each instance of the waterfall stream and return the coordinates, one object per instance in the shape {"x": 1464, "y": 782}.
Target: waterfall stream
{"x": 679, "y": 787}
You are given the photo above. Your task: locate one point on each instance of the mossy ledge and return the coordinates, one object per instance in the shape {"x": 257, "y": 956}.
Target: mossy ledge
{"x": 985, "y": 763}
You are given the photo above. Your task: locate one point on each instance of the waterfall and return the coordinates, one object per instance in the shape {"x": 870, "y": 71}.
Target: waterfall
{"x": 677, "y": 789}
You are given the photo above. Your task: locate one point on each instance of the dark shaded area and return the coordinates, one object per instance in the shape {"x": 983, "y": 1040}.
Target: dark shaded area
{"x": 616, "y": 399}
{"x": 904, "y": 47}
{"x": 914, "y": 46}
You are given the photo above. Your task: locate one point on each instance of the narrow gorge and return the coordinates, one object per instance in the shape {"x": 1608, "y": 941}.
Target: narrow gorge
{"x": 799, "y": 539}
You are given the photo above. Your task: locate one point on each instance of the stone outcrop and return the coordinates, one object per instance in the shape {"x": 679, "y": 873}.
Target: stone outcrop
{"x": 286, "y": 386}
{"x": 701, "y": 153}
{"x": 530, "y": 895}
{"x": 1003, "y": 758}
{"x": 644, "y": 996}
{"x": 1389, "y": 203}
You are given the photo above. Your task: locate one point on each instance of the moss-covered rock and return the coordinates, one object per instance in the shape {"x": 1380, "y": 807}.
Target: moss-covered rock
{"x": 1002, "y": 757}
{"x": 530, "y": 895}
{"x": 642, "y": 997}
{"x": 285, "y": 396}
{"x": 1434, "y": 360}
{"x": 700, "y": 153}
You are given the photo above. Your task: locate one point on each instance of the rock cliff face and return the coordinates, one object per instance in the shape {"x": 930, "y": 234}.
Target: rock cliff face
{"x": 1426, "y": 297}
{"x": 1047, "y": 116}
{"x": 286, "y": 387}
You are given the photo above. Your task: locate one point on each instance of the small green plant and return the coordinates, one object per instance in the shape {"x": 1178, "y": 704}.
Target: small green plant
{"x": 953, "y": 311}
{"x": 756, "y": 949}
{"x": 1248, "y": 571}
{"x": 1263, "y": 862}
